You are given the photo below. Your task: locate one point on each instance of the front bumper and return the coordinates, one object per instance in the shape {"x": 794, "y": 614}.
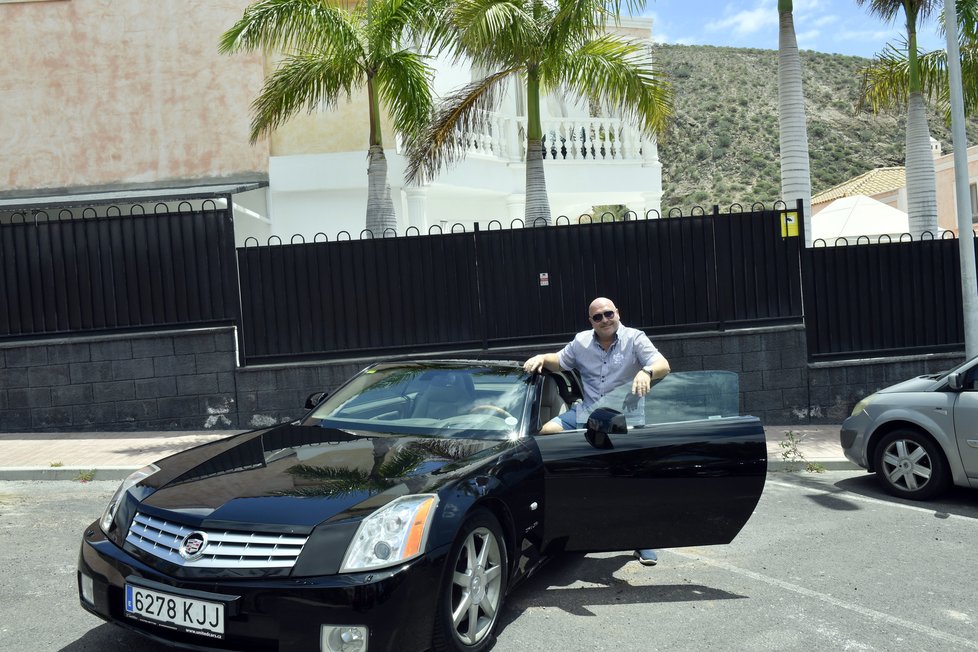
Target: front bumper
{"x": 853, "y": 436}
{"x": 284, "y": 615}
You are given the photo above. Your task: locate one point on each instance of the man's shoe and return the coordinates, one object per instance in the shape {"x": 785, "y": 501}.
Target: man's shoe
{"x": 647, "y": 557}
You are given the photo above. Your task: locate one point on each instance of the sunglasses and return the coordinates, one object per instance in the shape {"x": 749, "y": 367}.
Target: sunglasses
{"x": 599, "y": 316}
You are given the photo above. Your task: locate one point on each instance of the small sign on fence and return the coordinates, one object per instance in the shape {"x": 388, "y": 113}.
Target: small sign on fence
{"x": 789, "y": 224}
{"x": 544, "y": 279}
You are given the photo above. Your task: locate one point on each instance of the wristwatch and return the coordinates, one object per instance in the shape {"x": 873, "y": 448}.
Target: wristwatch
{"x": 648, "y": 370}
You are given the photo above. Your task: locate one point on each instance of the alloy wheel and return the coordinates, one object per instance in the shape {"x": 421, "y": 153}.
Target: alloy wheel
{"x": 477, "y": 586}
{"x": 907, "y": 464}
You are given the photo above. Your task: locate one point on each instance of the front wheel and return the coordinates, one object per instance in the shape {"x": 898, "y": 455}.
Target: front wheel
{"x": 910, "y": 465}
{"x": 474, "y": 586}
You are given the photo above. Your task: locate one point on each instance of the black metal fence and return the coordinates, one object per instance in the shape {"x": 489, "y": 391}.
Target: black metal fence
{"x": 883, "y": 298}
{"x": 76, "y": 273}
{"x": 68, "y": 273}
{"x": 500, "y": 287}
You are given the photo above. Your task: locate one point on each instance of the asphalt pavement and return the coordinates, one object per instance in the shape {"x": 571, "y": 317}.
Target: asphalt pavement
{"x": 114, "y": 455}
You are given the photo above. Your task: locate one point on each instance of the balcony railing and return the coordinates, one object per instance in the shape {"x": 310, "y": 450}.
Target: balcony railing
{"x": 598, "y": 140}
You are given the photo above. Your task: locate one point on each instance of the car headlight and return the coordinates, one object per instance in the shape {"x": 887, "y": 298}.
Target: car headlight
{"x": 394, "y": 533}
{"x": 861, "y": 405}
{"x": 113, "y": 506}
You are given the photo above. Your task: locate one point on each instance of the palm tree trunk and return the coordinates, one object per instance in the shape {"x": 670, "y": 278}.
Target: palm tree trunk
{"x": 921, "y": 179}
{"x": 796, "y": 181}
{"x": 380, "y": 206}
{"x": 537, "y": 211}
{"x": 537, "y": 203}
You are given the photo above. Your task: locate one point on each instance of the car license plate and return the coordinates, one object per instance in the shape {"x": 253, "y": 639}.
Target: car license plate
{"x": 175, "y": 611}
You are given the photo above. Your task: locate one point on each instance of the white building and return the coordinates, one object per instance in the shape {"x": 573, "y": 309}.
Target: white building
{"x": 144, "y": 107}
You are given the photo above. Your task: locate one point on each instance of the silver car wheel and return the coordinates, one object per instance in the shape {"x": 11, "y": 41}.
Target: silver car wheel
{"x": 907, "y": 464}
{"x": 477, "y": 585}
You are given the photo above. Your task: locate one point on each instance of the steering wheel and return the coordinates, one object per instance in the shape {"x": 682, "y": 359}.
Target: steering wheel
{"x": 494, "y": 409}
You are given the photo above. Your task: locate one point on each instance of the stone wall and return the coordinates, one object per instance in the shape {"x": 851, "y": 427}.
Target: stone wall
{"x": 181, "y": 380}
{"x": 835, "y": 387}
{"x": 190, "y": 380}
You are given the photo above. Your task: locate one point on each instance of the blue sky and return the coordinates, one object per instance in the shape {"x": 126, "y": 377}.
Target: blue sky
{"x": 838, "y": 26}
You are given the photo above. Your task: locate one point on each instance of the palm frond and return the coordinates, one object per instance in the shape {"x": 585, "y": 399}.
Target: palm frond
{"x": 404, "y": 81}
{"x": 291, "y": 26}
{"x": 621, "y": 73}
{"x": 401, "y": 463}
{"x": 444, "y": 449}
{"x": 302, "y": 80}
{"x": 438, "y": 145}
{"x": 967, "y": 11}
{"x": 886, "y": 81}
{"x": 330, "y": 475}
{"x": 573, "y": 19}
{"x": 935, "y": 79}
{"x": 888, "y": 10}
{"x": 497, "y": 33}
{"x": 393, "y": 22}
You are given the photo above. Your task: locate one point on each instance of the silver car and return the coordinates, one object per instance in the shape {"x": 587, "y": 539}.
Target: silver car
{"x": 919, "y": 436}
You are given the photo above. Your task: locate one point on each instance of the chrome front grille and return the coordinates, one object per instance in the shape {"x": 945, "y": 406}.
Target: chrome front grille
{"x": 224, "y": 548}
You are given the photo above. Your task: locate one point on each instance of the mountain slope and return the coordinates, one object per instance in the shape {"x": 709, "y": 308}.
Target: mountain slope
{"x": 722, "y": 146}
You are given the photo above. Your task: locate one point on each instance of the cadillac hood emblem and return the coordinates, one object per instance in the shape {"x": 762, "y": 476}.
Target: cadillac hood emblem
{"x": 192, "y": 547}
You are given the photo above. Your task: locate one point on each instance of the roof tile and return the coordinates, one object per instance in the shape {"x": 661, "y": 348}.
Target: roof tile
{"x": 869, "y": 183}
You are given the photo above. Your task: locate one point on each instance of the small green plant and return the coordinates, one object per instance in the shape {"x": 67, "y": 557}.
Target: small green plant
{"x": 85, "y": 476}
{"x": 791, "y": 454}
{"x": 55, "y": 465}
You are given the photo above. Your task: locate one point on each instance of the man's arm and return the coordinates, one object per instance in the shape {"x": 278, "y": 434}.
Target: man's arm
{"x": 537, "y": 363}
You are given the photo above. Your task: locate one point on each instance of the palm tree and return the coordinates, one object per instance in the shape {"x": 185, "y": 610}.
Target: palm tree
{"x": 332, "y": 48}
{"x": 921, "y": 180}
{"x": 548, "y": 45}
{"x": 889, "y": 74}
{"x": 796, "y": 178}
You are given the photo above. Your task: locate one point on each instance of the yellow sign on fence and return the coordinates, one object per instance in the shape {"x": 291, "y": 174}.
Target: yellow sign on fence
{"x": 789, "y": 224}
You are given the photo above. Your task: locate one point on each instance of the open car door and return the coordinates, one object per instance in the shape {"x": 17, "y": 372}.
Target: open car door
{"x": 690, "y": 475}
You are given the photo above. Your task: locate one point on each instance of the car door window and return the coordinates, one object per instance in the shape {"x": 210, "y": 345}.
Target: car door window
{"x": 680, "y": 396}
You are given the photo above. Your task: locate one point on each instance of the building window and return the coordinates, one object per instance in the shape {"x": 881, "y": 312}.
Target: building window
{"x": 974, "y": 203}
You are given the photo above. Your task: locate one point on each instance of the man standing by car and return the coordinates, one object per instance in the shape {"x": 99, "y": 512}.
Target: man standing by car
{"x": 607, "y": 356}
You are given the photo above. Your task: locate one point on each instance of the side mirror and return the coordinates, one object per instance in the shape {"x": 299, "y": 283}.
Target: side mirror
{"x": 603, "y": 422}
{"x": 955, "y": 381}
{"x": 315, "y": 399}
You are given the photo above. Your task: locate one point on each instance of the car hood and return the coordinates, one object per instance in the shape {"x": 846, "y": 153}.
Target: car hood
{"x": 918, "y": 384}
{"x": 296, "y": 477}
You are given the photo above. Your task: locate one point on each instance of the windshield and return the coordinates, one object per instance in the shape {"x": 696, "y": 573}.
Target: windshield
{"x": 435, "y": 399}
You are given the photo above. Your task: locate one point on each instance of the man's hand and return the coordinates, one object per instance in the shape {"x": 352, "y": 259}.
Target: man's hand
{"x": 535, "y": 364}
{"x": 641, "y": 383}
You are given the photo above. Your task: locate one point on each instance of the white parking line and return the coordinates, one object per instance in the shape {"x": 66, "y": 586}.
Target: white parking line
{"x": 835, "y": 602}
{"x": 869, "y": 499}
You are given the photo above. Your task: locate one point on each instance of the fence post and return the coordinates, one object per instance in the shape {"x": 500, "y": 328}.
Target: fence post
{"x": 480, "y": 307}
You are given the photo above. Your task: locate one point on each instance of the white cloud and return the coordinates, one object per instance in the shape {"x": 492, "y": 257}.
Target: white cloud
{"x": 808, "y": 40}
{"x": 822, "y": 21}
{"x": 748, "y": 21}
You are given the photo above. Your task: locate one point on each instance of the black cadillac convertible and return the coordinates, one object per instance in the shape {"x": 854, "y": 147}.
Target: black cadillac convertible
{"x": 398, "y": 513}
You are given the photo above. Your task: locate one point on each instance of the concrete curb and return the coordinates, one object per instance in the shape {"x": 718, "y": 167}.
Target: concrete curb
{"x": 779, "y": 466}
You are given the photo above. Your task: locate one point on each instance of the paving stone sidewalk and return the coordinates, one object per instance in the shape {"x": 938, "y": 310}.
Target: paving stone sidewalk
{"x": 113, "y": 455}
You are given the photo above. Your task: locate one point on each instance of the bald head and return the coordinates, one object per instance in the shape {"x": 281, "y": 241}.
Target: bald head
{"x": 600, "y": 304}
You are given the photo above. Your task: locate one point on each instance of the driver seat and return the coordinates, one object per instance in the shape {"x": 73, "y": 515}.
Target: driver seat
{"x": 551, "y": 403}
{"x": 447, "y": 395}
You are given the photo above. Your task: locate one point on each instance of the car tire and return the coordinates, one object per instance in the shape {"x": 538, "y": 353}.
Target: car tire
{"x": 909, "y": 464}
{"x": 474, "y": 586}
